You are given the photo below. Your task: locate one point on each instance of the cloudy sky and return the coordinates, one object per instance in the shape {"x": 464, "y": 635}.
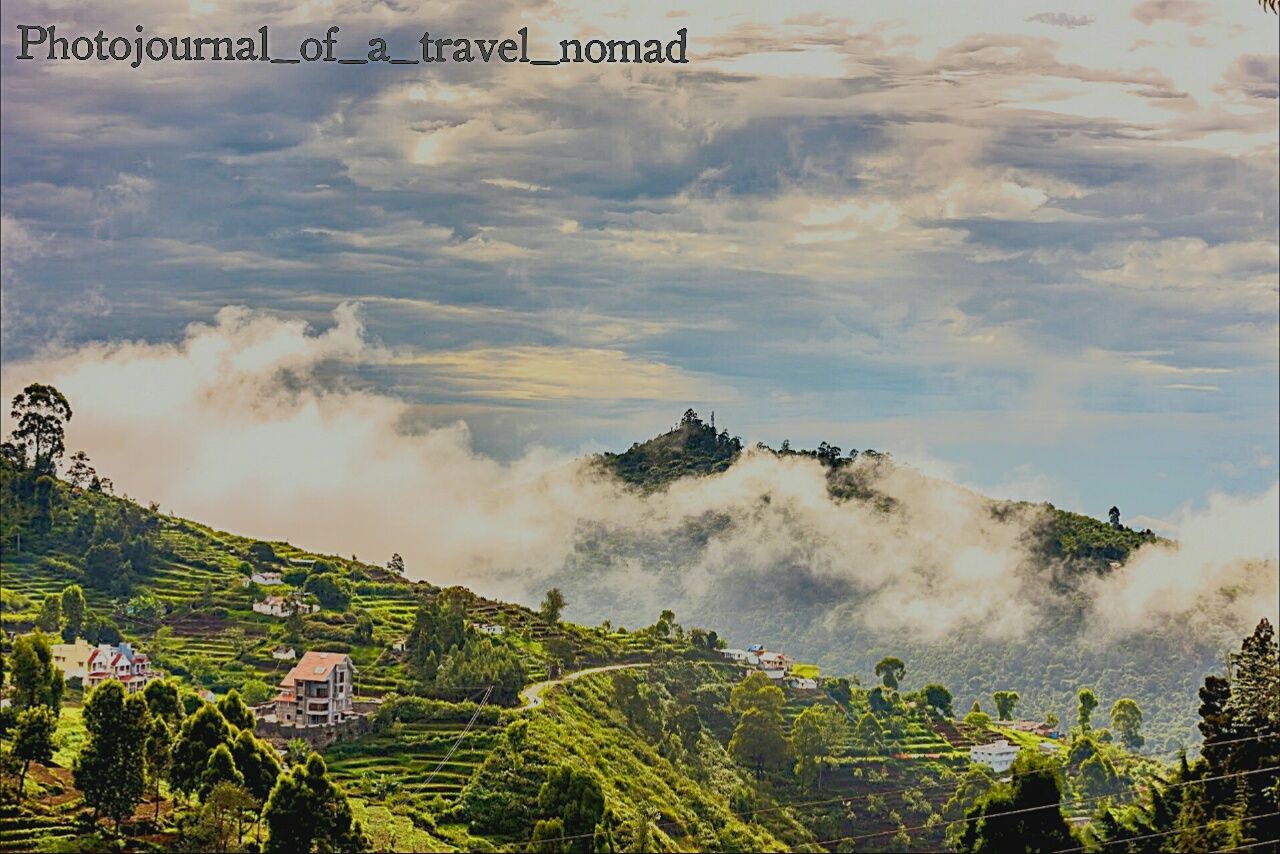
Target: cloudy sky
{"x": 1030, "y": 247}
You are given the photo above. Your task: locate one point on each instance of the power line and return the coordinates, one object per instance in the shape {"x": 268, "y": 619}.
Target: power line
{"x": 1059, "y": 805}
{"x": 461, "y": 736}
{"x": 1180, "y": 830}
{"x": 1056, "y": 805}
{"x": 1013, "y": 776}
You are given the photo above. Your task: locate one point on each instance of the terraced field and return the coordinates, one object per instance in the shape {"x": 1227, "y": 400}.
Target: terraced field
{"x": 409, "y": 755}
{"x": 27, "y": 830}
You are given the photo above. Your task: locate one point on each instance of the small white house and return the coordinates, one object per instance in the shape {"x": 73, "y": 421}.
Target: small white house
{"x": 266, "y": 579}
{"x": 738, "y": 655}
{"x": 490, "y": 629}
{"x": 1049, "y": 747}
{"x": 278, "y": 606}
{"x": 776, "y": 675}
{"x": 998, "y": 756}
{"x": 284, "y": 653}
{"x": 802, "y": 683}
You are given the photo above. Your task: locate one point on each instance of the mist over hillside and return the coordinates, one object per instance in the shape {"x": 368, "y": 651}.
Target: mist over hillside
{"x": 842, "y": 561}
{"x": 836, "y": 559}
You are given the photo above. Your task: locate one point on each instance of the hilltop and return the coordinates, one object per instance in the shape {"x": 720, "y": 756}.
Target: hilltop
{"x": 755, "y": 572}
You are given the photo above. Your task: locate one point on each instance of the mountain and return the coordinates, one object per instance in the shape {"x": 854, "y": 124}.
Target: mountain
{"x": 478, "y": 739}
{"x": 885, "y": 563}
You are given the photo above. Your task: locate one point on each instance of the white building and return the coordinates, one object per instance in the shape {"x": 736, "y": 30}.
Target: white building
{"x": 738, "y": 655}
{"x": 802, "y": 683}
{"x": 1049, "y": 747}
{"x": 490, "y": 629}
{"x": 284, "y": 653}
{"x": 122, "y": 663}
{"x": 266, "y": 579}
{"x": 278, "y": 606}
{"x": 998, "y": 756}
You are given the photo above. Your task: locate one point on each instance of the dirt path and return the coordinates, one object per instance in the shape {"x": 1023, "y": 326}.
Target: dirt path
{"x": 531, "y": 695}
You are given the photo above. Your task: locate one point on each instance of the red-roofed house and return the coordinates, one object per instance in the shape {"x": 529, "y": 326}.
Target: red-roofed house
{"x": 121, "y": 662}
{"x": 318, "y": 691}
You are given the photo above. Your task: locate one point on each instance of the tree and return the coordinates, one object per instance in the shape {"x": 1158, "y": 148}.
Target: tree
{"x": 162, "y": 699}
{"x": 1126, "y": 719}
{"x": 221, "y": 768}
{"x": 548, "y": 836}
{"x": 81, "y": 474}
{"x": 1114, "y": 515}
{"x": 757, "y": 691}
{"x": 111, "y": 768}
{"x": 814, "y": 737}
{"x": 50, "y": 617}
{"x": 74, "y": 610}
{"x": 255, "y": 691}
{"x": 159, "y": 756}
{"x": 33, "y": 738}
{"x": 329, "y": 589}
{"x": 978, "y": 719}
{"x": 868, "y": 733}
{"x": 226, "y": 798}
{"x": 574, "y": 798}
{"x": 264, "y": 553}
{"x": 307, "y": 811}
{"x": 838, "y": 689}
{"x": 552, "y": 606}
{"x": 201, "y": 734}
{"x": 235, "y": 711}
{"x": 759, "y": 741}
{"x": 41, "y": 411}
{"x": 1022, "y": 815}
{"x": 482, "y": 662}
{"x": 891, "y": 670}
{"x": 258, "y": 762}
{"x": 396, "y": 564}
{"x": 1088, "y": 702}
{"x": 106, "y": 568}
{"x": 1006, "y": 702}
{"x": 938, "y": 697}
{"x": 36, "y": 681}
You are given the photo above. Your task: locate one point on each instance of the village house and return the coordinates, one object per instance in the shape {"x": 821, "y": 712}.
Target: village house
{"x": 73, "y": 658}
{"x": 802, "y": 683}
{"x": 738, "y": 655}
{"x": 284, "y": 653}
{"x": 279, "y": 606}
{"x": 998, "y": 756}
{"x": 774, "y": 661}
{"x": 318, "y": 691}
{"x": 1034, "y": 727}
{"x": 266, "y": 579}
{"x": 490, "y": 629}
{"x": 398, "y": 644}
{"x": 122, "y": 663}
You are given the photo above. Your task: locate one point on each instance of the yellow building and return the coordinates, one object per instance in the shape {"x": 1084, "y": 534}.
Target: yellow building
{"x": 73, "y": 658}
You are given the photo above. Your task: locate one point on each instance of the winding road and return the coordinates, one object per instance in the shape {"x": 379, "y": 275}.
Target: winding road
{"x": 531, "y": 695}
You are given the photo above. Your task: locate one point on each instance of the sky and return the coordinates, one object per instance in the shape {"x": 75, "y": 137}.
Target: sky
{"x": 1028, "y": 248}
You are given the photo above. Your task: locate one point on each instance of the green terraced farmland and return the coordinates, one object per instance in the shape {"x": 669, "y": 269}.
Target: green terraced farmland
{"x": 409, "y": 753}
